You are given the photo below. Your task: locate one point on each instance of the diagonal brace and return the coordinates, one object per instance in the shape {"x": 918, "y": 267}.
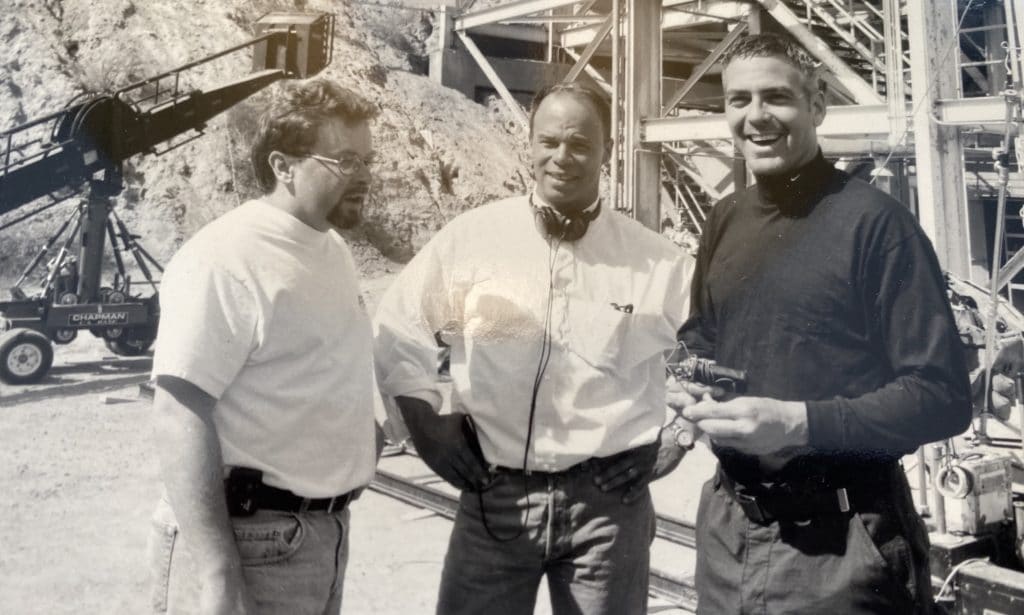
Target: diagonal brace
{"x": 588, "y": 51}
{"x": 495, "y": 80}
{"x": 701, "y": 69}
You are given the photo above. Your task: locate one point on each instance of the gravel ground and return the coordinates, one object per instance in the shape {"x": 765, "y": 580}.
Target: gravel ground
{"x": 80, "y": 480}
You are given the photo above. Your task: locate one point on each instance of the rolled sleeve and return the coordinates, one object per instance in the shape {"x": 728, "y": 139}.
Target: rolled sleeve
{"x": 414, "y": 308}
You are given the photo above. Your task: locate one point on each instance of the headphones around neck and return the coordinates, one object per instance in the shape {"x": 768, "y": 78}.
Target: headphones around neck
{"x": 555, "y": 225}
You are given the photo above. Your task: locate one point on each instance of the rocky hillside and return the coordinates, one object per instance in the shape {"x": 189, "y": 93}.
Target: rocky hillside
{"x": 439, "y": 152}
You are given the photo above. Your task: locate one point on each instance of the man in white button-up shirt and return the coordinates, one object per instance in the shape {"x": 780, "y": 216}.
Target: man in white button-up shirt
{"x": 558, "y": 313}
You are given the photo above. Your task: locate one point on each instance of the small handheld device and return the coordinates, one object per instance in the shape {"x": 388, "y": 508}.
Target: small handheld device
{"x": 710, "y": 373}
{"x": 240, "y": 489}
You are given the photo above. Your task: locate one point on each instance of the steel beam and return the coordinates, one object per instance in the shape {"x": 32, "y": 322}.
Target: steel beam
{"x": 643, "y": 100}
{"x": 529, "y": 34}
{"x": 592, "y": 72}
{"x": 505, "y": 12}
{"x": 495, "y": 79}
{"x": 584, "y": 59}
{"x": 895, "y": 82}
{"x": 941, "y": 189}
{"x": 701, "y": 69}
{"x": 860, "y": 89}
{"x": 615, "y": 163}
{"x": 983, "y": 110}
{"x": 847, "y": 121}
{"x": 700, "y": 94}
{"x": 551, "y": 19}
{"x": 680, "y": 591}
{"x": 714, "y": 13}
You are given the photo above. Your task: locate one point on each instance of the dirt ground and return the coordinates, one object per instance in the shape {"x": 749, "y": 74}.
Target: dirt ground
{"x": 80, "y": 480}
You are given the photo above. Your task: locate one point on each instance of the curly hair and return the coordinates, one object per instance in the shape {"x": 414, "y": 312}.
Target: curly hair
{"x": 582, "y": 92}
{"x": 294, "y": 115}
{"x": 777, "y": 45}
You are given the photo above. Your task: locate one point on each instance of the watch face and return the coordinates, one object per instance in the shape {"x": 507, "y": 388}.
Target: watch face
{"x": 684, "y": 437}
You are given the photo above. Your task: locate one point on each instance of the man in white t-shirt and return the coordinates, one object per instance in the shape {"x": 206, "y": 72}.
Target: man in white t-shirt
{"x": 263, "y": 407}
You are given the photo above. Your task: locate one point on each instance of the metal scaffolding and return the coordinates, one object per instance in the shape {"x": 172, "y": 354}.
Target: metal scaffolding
{"x": 900, "y": 103}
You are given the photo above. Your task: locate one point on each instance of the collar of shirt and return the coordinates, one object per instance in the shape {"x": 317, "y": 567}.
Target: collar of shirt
{"x": 540, "y": 202}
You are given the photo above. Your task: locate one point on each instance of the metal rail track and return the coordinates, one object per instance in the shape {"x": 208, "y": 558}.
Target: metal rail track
{"x": 673, "y": 588}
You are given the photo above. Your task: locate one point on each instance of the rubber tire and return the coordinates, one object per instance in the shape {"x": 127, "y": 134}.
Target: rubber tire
{"x": 15, "y": 338}
{"x": 70, "y": 334}
{"x": 129, "y": 345}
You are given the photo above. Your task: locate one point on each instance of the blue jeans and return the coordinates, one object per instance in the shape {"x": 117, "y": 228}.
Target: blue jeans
{"x": 293, "y": 563}
{"x": 594, "y": 550}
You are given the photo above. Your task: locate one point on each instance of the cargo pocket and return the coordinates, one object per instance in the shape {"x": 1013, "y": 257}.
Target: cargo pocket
{"x": 262, "y": 540}
{"x": 889, "y": 555}
{"x": 162, "y": 538}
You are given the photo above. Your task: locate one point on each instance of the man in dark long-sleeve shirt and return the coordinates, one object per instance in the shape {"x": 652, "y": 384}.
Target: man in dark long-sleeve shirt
{"x": 827, "y": 292}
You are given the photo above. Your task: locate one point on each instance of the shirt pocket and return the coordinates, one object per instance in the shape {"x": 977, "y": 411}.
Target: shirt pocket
{"x": 611, "y": 339}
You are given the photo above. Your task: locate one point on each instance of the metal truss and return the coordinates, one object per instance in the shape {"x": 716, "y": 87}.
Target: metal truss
{"x": 893, "y": 107}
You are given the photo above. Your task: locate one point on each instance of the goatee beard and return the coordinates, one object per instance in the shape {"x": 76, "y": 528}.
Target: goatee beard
{"x": 344, "y": 218}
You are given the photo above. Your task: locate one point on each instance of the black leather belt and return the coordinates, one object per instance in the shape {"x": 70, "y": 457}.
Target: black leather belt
{"x": 272, "y": 498}
{"x": 762, "y": 505}
{"x": 586, "y": 465}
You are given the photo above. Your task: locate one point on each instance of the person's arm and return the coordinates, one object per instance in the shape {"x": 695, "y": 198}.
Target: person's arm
{"x": 445, "y": 442}
{"x": 698, "y": 333}
{"x": 420, "y": 302}
{"x": 192, "y": 471}
{"x": 417, "y": 305}
{"x": 928, "y": 398}
{"x": 632, "y": 470}
{"x": 208, "y": 330}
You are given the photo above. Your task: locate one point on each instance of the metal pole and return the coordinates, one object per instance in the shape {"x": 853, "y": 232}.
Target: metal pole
{"x": 616, "y": 185}
{"x": 644, "y": 91}
{"x": 940, "y": 503}
{"x": 1018, "y": 403}
{"x": 922, "y": 479}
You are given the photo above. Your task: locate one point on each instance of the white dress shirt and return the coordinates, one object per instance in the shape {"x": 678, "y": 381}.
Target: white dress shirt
{"x": 489, "y": 281}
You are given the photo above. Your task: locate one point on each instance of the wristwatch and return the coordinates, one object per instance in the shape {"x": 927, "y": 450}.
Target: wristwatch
{"x": 683, "y": 435}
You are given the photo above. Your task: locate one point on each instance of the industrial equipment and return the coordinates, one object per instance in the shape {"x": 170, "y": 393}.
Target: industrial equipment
{"x": 978, "y": 492}
{"x": 81, "y": 150}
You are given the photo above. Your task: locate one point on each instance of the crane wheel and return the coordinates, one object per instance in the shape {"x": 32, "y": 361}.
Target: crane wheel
{"x": 132, "y": 343}
{"x": 25, "y": 356}
{"x": 64, "y": 336}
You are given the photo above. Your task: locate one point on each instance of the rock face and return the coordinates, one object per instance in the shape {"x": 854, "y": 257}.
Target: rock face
{"x": 439, "y": 153}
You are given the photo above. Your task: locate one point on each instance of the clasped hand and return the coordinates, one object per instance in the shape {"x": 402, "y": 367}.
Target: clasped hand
{"x": 752, "y": 425}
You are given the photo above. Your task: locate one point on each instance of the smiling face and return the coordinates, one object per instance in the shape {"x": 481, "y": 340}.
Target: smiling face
{"x": 772, "y": 113}
{"x": 336, "y": 196}
{"x": 568, "y": 148}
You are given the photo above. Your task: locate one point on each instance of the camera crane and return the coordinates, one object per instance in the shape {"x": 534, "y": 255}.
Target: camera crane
{"x": 82, "y": 149}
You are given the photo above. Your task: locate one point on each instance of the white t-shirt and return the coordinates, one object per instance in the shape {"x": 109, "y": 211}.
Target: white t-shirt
{"x": 263, "y": 313}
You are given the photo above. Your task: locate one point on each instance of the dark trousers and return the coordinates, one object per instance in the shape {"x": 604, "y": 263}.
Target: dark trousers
{"x": 873, "y": 559}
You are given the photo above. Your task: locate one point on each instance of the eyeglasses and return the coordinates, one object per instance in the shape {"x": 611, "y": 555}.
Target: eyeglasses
{"x": 348, "y": 164}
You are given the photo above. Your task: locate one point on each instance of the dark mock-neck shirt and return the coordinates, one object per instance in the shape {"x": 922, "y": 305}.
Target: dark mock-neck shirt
{"x": 826, "y": 290}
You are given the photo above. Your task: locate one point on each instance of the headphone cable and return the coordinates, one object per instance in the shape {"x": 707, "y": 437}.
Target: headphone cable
{"x": 542, "y": 366}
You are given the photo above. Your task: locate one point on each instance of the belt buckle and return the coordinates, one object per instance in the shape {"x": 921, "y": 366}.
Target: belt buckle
{"x": 752, "y": 508}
